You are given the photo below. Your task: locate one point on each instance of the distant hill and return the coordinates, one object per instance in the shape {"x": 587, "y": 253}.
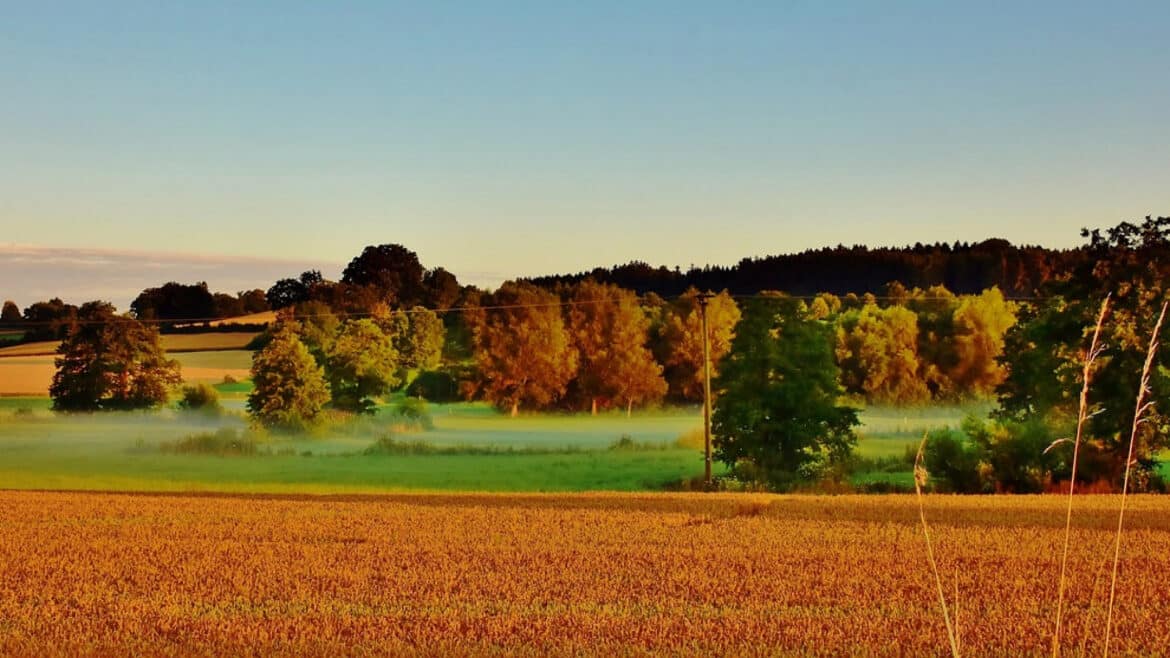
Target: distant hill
{"x": 963, "y": 268}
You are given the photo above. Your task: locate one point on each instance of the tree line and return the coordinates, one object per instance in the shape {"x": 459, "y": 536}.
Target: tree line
{"x": 787, "y": 368}
{"x": 963, "y": 268}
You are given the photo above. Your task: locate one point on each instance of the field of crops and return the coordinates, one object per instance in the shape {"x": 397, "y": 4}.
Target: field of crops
{"x": 31, "y": 374}
{"x": 581, "y": 574}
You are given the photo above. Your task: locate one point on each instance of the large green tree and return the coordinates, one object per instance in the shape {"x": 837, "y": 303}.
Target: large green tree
{"x": 110, "y": 361}
{"x": 361, "y": 364}
{"x": 523, "y": 353}
{"x": 610, "y": 332}
{"x": 418, "y": 335}
{"x": 289, "y": 387}
{"x": 1044, "y": 351}
{"x": 776, "y": 412}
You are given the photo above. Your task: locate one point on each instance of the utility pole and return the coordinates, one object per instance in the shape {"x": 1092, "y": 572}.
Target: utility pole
{"x": 703, "y": 298}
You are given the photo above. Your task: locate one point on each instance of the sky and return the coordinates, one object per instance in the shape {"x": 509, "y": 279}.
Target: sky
{"x": 235, "y": 142}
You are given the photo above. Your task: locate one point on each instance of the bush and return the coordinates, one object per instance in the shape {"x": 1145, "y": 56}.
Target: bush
{"x": 955, "y": 463}
{"x": 413, "y": 413}
{"x": 440, "y": 386}
{"x": 224, "y": 442}
{"x": 388, "y": 445}
{"x": 200, "y": 397}
{"x": 627, "y": 443}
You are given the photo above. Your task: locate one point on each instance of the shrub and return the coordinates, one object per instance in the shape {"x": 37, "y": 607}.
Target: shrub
{"x": 955, "y": 462}
{"x": 627, "y": 443}
{"x": 413, "y": 413}
{"x": 436, "y": 386}
{"x": 223, "y": 442}
{"x": 200, "y": 397}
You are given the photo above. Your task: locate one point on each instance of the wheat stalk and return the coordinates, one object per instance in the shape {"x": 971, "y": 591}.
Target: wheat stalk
{"x": 1140, "y": 408}
{"x": 920, "y": 477}
{"x": 1082, "y": 415}
{"x": 1090, "y": 608}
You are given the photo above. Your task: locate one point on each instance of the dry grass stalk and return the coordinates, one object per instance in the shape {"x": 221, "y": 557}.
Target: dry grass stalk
{"x": 1083, "y": 413}
{"x": 1140, "y": 408}
{"x": 920, "y": 476}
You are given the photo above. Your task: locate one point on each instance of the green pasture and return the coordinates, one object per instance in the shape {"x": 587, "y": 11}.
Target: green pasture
{"x": 539, "y": 452}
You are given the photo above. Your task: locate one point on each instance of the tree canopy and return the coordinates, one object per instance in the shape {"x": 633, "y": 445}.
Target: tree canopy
{"x": 289, "y": 387}
{"x": 393, "y": 270}
{"x": 776, "y": 414}
{"x": 175, "y": 301}
{"x": 683, "y": 332}
{"x": 1131, "y": 263}
{"x": 523, "y": 352}
{"x": 610, "y": 332}
{"x": 361, "y": 364}
{"x": 111, "y": 362}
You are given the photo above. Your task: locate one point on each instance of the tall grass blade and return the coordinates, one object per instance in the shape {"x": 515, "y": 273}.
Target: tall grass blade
{"x": 920, "y": 476}
{"x": 1141, "y": 406}
{"x": 1082, "y": 415}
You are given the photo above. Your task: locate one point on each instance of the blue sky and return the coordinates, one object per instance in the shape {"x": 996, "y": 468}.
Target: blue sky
{"x": 503, "y": 139}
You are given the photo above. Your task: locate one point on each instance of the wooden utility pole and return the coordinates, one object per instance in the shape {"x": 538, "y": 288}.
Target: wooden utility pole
{"x": 703, "y": 298}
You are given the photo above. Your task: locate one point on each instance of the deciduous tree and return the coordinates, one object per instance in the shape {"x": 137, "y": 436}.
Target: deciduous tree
{"x": 609, "y": 330}
{"x": 683, "y": 332}
{"x": 392, "y": 269}
{"x": 523, "y": 352}
{"x": 877, "y": 350}
{"x": 10, "y": 315}
{"x": 361, "y": 364}
{"x": 980, "y": 322}
{"x": 110, "y": 361}
{"x": 289, "y": 388}
{"x": 776, "y": 408}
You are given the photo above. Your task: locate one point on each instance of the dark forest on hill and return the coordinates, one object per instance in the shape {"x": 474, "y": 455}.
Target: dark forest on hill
{"x": 1019, "y": 271}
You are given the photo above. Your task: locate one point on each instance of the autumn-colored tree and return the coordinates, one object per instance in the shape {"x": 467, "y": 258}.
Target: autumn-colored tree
{"x": 609, "y": 330}
{"x": 823, "y": 306}
{"x": 877, "y": 351}
{"x": 289, "y": 388}
{"x": 523, "y": 352}
{"x": 361, "y": 364}
{"x": 683, "y": 331}
{"x": 937, "y": 358}
{"x": 110, "y": 361}
{"x": 981, "y": 322}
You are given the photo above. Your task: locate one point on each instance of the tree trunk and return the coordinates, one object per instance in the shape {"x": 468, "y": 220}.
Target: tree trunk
{"x": 515, "y": 409}
{"x": 594, "y": 411}
{"x": 629, "y": 408}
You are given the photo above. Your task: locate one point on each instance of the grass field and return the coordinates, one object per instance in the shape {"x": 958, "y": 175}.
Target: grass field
{"x": 41, "y": 450}
{"x": 577, "y": 574}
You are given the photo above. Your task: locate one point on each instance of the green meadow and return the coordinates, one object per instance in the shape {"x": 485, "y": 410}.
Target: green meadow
{"x": 471, "y": 447}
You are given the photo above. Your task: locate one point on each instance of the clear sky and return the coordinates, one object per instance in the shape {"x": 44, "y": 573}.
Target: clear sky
{"x": 502, "y": 138}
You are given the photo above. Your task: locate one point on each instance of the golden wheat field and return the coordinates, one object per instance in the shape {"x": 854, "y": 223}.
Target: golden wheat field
{"x": 581, "y": 574}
